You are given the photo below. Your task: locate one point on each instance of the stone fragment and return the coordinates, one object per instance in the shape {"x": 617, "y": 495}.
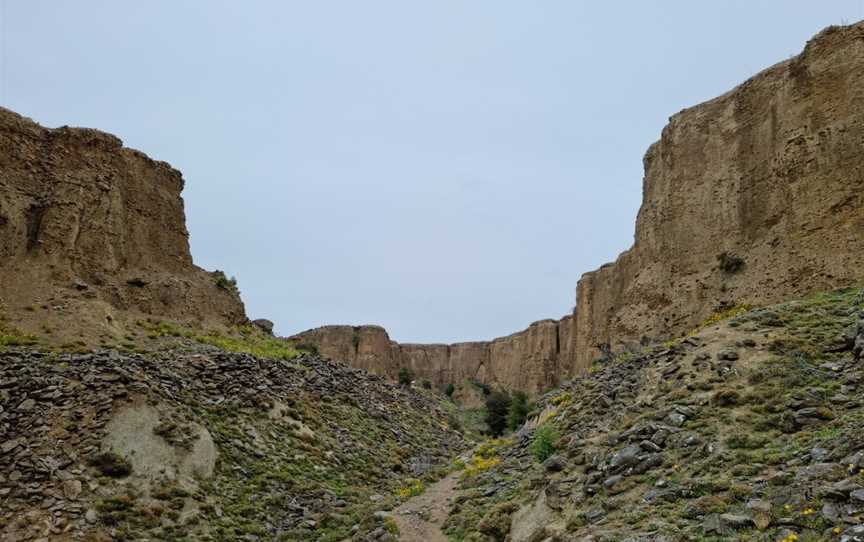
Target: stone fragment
{"x": 72, "y": 489}
{"x": 735, "y": 521}
{"x": 727, "y": 354}
{"x": 626, "y": 457}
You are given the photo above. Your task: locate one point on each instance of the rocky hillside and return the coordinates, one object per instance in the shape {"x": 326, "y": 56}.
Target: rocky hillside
{"x": 93, "y": 235}
{"x": 753, "y": 197}
{"x": 196, "y": 443}
{"x": 751, "y": 427}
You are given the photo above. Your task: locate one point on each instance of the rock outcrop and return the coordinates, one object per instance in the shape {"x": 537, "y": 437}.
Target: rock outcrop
{"x": 91, "y": 231}
{"x": 751, "y": 198}
{"x": 532, "y": 360}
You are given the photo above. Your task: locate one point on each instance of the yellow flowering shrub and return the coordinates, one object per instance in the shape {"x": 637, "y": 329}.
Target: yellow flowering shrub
{"x": 413, "y": 488}
{"x": 479, "y": 464}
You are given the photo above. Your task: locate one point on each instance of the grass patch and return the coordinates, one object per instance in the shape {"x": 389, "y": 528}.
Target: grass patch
{"x": 243, "y": 339}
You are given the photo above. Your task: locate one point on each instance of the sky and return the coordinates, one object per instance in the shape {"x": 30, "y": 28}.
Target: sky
{"x": 446, "y": 169}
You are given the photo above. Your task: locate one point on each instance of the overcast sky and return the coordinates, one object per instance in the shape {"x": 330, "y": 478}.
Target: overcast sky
{"x": 447, "y": 169}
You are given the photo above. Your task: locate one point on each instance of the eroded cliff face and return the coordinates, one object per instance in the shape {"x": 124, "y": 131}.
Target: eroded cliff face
{"x": 771, "y": 173}
{"x": 751, "y": 198}
{"x": 532, "y": 360}
{"x": 92, "y": 232}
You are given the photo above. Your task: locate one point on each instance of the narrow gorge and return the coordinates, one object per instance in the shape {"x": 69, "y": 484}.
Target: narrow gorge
{"x": 748, "y": 199}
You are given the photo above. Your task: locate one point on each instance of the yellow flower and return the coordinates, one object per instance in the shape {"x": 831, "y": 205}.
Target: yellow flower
{"x": 836, "y": 530}
{"x": 787, "y": 507}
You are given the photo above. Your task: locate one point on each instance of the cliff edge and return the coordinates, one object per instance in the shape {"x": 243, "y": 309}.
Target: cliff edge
{"x": 93, "y": 234}
{"x": 749, "y": 199}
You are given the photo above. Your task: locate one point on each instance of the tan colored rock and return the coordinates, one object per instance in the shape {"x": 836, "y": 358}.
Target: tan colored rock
{"x": 771, "y": 172}
{"x": 72, "y": 489}
{"x": 91, "y": 230}
{"x": 529, "y": 360}
{"x": 428, "y": 361}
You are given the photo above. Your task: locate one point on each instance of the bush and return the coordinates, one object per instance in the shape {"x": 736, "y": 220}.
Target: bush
{"x": 406, "y": 375}
{"x": 308, "y": 348}
{"x": 412, "y": 488}
{"x": 223, "y": 282}
{"x": 497, "y": 408}
{"x": 448, "y": 391}
{"x": 454, "y": 422}
{"x": 111, "y": 464}
{"x": 518, "y": 411}
{"x": 543, "y": 444}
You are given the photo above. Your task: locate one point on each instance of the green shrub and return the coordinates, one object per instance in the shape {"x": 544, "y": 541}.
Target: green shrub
{"x": 497, "y": 408}
{"x": 308, "y": 348}
{"x": 518, "y": 411}
{"x": 448, "y": 391}
{"x": 406, "y": 375}
{"x": 543, "y": 444}
{"x": 225, "y": 283}
{"x": 111, "y": 464}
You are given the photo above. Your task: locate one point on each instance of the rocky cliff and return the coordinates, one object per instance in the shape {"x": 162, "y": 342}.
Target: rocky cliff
{"x": 750, "y": 198}
{"x": 91, "y": 232}
{"x": 532, "y": 360}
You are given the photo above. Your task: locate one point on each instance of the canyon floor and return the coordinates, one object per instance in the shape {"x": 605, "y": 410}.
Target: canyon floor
{"x": 750, "y": 427}
{"x": 422, "y": 517}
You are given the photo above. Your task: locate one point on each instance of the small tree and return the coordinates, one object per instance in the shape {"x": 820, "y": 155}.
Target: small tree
{"x": 518, "y": 411}
{"x": 497, "y": 406}
{"x": 448, "y": 391}
{"x": 543, "y": 444}
{"x": 406, "y": 375}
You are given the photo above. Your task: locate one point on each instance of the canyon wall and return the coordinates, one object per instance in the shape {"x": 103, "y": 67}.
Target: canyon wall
{"x": 532, "y": 360}
{"x": 751, "y": 198}
{"x": 92, "y": 232}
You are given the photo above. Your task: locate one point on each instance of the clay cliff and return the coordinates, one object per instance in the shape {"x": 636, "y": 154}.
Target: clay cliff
{"x": 751, "y": 198}
{"x": 93, "y": 233}
{"x": 531, "y": 360}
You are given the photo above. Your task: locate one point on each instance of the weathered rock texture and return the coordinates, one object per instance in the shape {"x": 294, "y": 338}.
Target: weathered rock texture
{"x": 532, "y": 360}
{"x": 90, "y": 229}
{"x": 771, "y": 172}
{"x": 751, "y": 198}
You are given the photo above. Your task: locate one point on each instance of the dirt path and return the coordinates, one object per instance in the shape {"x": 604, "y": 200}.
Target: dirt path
{"x": 420, "y": 518}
